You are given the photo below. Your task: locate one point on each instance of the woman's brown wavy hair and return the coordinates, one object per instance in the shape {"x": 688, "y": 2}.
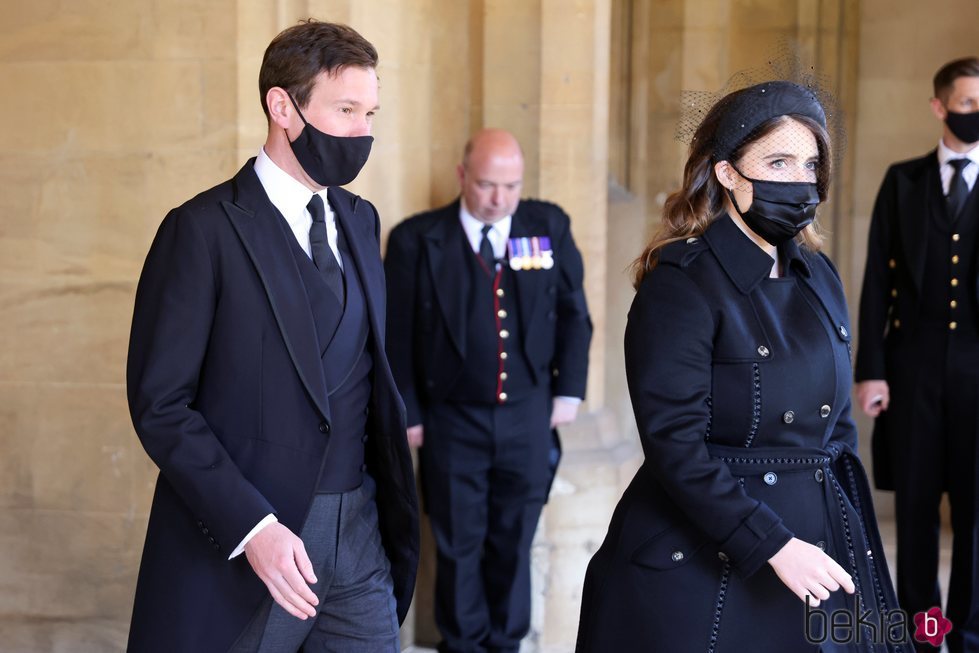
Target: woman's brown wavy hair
{"x": 700, "y": 200}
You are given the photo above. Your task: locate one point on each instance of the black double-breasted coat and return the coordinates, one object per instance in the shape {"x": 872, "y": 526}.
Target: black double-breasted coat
{"x": 228, "y": 396}
{"x": 740, "y": 385}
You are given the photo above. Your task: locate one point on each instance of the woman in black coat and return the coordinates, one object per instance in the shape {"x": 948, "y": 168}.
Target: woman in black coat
{"x": 749, "y": 527}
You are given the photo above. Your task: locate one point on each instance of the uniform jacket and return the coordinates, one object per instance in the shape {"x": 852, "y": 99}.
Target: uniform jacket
{"x": 910, "y": 195}
{"x": 743, "y": 413}
{"x": 227, "y": 394}
{"x": 427, "y": 297}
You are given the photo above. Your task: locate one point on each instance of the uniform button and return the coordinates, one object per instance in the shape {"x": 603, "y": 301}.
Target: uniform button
{"x": 825, "y": 410}
{"x": 723, "y": 556}
{"x": 897, "y": 324}
{"x": 956, "y": 237}
{"x": 955, "y": 259}
{"x": 503, "y": 376}
{"x": 771, "y": 478}
{"x": 504, "y": 333}
{"x": 502, "y": 396}
{"x": 843, "y": 331}
{"x": 955, "y": 282}
{"x": 953, "y": 325}
{"x": 893, "y": 292}
{"x": 363, "y": 468}
{"x": 677, "y": 556}
{"x": 324, "y": 427}
{"x": 821, "y": 545}
{"x": 818, "y": 476}
{"x": 691, "y": 241}
{"x": 499, "y": 292}
{"x": 503, "y": 355}
{"x": 892, "y": 264}
{"x": 788, "y": 417}
{"x": 363, "y": 438}
{"x": 763, "y": 351}
{"x": 501, "y": 314}
{"x": 953, "y": 304}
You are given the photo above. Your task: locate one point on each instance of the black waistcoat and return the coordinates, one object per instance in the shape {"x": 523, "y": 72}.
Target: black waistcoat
{"x": 495, "y": 369}
{"x": 948, "y": 298}
{"x": 343, "y": 333}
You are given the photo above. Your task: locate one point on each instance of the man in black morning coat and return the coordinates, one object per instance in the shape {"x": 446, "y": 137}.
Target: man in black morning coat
{"x": 918, "y": 360}
{"x": 488, "y": 335}
{"x": 258, "y": 383}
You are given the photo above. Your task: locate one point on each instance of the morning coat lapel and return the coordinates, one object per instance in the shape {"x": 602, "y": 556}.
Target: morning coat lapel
{"x": 446, "y": 246}
{"x": 527, "y": 283}
{"x": 255, "y": 220}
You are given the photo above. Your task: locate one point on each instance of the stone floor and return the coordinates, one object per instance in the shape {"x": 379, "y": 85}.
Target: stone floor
{"x": 93, "y": 636}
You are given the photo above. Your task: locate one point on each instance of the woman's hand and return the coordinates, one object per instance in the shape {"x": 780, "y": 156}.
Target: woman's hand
{"x": 806, "y": 570}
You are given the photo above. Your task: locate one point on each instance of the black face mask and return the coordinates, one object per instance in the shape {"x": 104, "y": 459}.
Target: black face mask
{"x": 329, "y": 160}
{"x": 965, "y": 126}
{"x": 779, "y": 209}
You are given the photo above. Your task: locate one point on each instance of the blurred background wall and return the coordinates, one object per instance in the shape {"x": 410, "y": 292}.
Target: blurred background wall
{"x": 117, "y": 110}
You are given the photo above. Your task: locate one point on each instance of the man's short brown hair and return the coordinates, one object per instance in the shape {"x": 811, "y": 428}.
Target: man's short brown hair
{"x": 299, "y": 53}
{"x": 945, "y": 78}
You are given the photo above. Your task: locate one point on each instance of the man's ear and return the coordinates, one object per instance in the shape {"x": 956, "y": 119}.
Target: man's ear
{"x": 938, "y": 108}
{"x": 280, "y": 107}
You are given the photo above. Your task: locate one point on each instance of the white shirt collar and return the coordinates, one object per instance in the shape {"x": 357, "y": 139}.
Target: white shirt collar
{"x": 945, "y": 154}
{"x": 498, "y": 235}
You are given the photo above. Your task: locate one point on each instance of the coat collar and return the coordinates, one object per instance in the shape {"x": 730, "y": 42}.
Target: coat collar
{"x": 743, "y": 261}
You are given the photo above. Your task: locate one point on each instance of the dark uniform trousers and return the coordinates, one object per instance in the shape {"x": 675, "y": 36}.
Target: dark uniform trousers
{"x": 940, "y": 384}
{"x": 357, "y": 610}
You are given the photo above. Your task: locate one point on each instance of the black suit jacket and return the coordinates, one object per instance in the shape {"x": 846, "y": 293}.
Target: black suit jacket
{"x": 227, "y": 394}
{"x": 427, "y": 301}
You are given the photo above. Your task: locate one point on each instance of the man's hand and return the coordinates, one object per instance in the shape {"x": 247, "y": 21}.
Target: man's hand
{"x": 873, "y": 396}
{"x": 416, "y": 435}
{"x": 279, "y": 558}
{"x": 806, "y": 570}
{"x": 563, "y": 412}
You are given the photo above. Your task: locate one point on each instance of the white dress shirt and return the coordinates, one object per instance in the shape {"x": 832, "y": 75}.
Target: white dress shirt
{"x": 969, "y": 172}
{"x": 291, "y": 197}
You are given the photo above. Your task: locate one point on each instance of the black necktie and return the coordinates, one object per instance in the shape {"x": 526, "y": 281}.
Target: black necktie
{"x": 323, "y": 256}
{"x": 958, "y": 190}
{"x": 486, "y": 249}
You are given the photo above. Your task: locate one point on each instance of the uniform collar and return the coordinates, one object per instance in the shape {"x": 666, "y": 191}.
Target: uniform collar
{"x": 745, "y": 262}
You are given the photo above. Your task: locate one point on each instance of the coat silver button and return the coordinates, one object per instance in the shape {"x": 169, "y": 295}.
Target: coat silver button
{"x": 843, "y": 331}
{"x": 771, "y": 478}
{"x": 722, "y": 556}
{"x": 821, "y": 545}
{"x": 691, "y": 241}
{"x": 763, "y": 351}
{"x": 818, "y": 476}
{"x": 825, "y": 410}
{"x": 677, "y": 556}
{"x": 788, "y": 417}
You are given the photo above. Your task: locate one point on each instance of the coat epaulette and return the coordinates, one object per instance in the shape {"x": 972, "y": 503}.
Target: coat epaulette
{"x": 682, "y": 252}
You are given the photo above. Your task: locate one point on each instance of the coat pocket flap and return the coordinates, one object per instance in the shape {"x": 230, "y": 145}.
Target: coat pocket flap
{"x": 670, "y": 549}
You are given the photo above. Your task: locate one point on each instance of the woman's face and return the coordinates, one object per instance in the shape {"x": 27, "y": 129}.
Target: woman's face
{"x": 787, "y": 153}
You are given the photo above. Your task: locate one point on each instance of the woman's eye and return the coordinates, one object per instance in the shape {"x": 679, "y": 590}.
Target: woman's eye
{"x": 778, "y": 164}
{"x": 811, "y": 165}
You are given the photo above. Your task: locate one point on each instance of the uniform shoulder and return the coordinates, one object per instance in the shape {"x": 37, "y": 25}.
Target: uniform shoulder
{"x": 545, "y": 209}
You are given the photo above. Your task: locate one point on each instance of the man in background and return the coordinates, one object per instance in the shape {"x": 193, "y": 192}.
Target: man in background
{"x": 488, "y": 335}
{"x": 918, "y": 361}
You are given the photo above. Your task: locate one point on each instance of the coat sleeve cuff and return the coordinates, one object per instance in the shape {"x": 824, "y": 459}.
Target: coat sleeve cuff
{"x": 758, "y": 538}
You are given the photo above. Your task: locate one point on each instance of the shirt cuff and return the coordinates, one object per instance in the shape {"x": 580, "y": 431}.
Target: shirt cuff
{"x": 570, "y": 400}
{"x": 270, "y": 518}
